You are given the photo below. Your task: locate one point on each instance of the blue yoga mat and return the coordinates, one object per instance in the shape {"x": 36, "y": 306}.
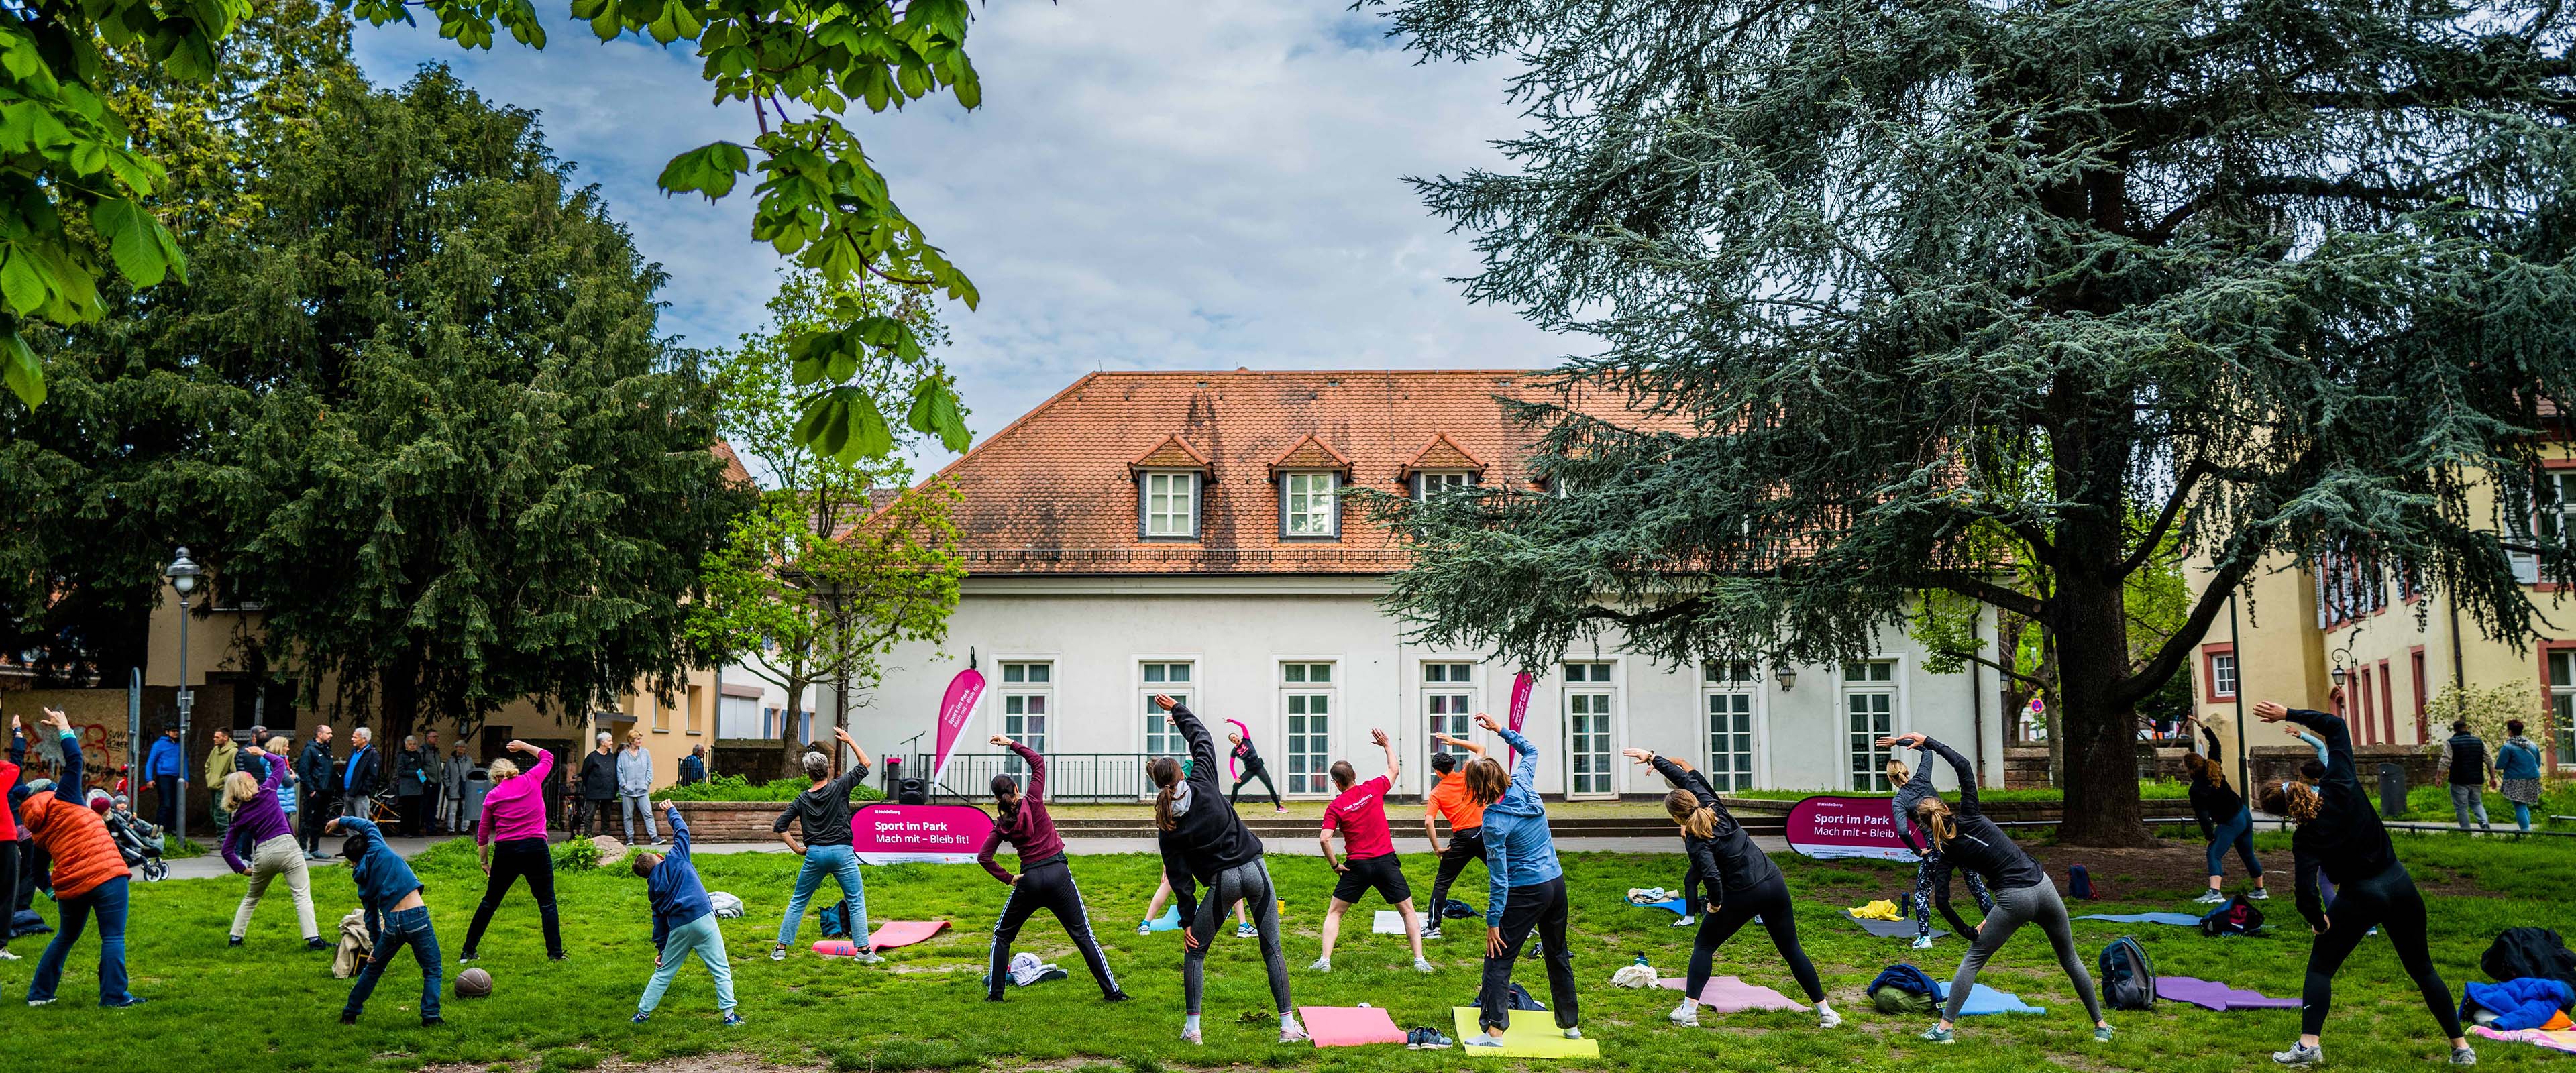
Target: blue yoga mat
{"x": 1983, "y": 999}
{"x": 1676, "y": 905}
{"x": 1169, "y": 921}
{"x": 2180, "y": 920}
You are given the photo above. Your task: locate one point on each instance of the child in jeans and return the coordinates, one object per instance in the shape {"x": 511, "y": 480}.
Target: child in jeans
{"x": 396, "y": 917}
{"x": 684, "y": 922}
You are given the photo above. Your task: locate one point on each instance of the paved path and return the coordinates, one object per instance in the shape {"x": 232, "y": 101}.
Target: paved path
{"x": 212, "y": 864}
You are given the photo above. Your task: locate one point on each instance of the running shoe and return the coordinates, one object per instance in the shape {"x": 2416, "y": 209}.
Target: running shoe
{"x": 640, "y": 1017}
{"x": 1146, "y": 928}
{"x": 1420, "y": 965}
{"x": 1282, "y": 808}
{"x": 778, "y": 953}
{"x": 1116, "y": 996}
{"x": 1432, "y": 932}
{"x": 1427, "y": 1039}
{"x": 1685, "y": 922}
{"x": 8, "y": 955}
{"x": 1827, "y": 1016}
{"x": 1685, "y": 1015}
{"x": 48, "y": 1002}
{"x": 1923, "y": 942}
{"x": 314, "y": 943}
{"x": 732, "y": 1019}
{"x": 2102, "y": 1034}
{"x": 2462, "y": 1056}
{"x": 1574, "y": 1033}
{"x": 140, "y": 1000}
{"x": 1190, "y": 1036}
{"x": 2261, "y": 894}
{"x": 1938, "y": 1034}
{"x": 2209, "y": 897}
{"x": 1484, "y": 1039}
{"x": 1246, "y": 931}
{"x": 1321, "y": 965}
{"x": 2300, "y": 1054}
{"x": 1292, "y": 1032}
{"x": 866, "y": 958}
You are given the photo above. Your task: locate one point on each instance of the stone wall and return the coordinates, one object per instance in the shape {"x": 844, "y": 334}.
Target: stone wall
{"x": 730, "y": 821}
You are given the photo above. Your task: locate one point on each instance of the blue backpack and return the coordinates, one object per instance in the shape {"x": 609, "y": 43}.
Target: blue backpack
{"x": 836, "y": 920}
{"x": 2128, "y": 975}
{"x": 1902, "y": 988}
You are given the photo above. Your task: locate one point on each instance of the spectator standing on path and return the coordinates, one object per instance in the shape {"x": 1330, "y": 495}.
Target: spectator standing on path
{"x": 252, "y": 760}
{"x": 598, "y": 789}
{"x": 163, "y": 769}
{"x": 451, "y": 792}
{"x": 317, "y": 789}
{"x": 693, "y": 767}
{"x": 411, "y": 784}
{"x": 433, "y": 789}
{"x": 2518, "y": 772}
{"x": 219, "y": 766}
{"x": 635, "y": 789}
{"x": 359, "y": 780}
{"x": 2464, "y": 759}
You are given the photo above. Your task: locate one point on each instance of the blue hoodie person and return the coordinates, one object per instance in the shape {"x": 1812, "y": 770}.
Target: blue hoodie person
{"x": 396, "y": 917}
{"x": 684, "y": 922}
{"x": 1526, "y": 892}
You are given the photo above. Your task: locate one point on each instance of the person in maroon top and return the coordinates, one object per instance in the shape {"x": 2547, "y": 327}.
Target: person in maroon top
{"x": 1045, "y": 880}
{"x": 1368, "y": 852}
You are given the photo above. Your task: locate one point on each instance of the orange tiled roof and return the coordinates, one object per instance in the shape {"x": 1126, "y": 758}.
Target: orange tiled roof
{"x": 1055, "y": 491}
{"x": 734, "y": 472}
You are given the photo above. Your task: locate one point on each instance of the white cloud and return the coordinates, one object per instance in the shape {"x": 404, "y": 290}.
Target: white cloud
{"x": 1149, "y": 184}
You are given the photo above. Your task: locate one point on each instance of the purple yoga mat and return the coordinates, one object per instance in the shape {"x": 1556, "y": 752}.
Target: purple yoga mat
{"x": 2218, "y": 996}
{"x": 1727, "y": 994}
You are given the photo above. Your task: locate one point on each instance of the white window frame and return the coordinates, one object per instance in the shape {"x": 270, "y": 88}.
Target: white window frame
{"x": 2562, "y": 706}
{"x": 1899, "y": 721}
{"x": 1615, "y": 725}
{"x": 1005, "y": 690}
{"x": 1445, "y": 480}
{"x": 1426, "y": 690}
{"x": 1192, "y": 484}
{"x": 2222, "y": 684}
{"x": 1291, "y": 500}
{"x": 1145, "y": 727}
{"x": 1715, "y": 683}
{"x": 1318, "y": 782}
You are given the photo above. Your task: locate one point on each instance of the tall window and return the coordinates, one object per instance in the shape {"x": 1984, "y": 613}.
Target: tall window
{"x": 1588, "y": 749}
{"x": 1726, "y": 693}
{"x": 2368, "y": 721}
{"x": 1170, "y": 679}
{"x": 2222, "y": 674}
{"x": 1306, "y": 695}
{"x": 1171, "y": 505}
{"x": 1306, "y": 505}
{"x": 1028, "y": 694}
{"x": 1431, "y": 483}
{"x": 1869, "y": 713}
{"x": 2562, "y": 703}
{"x": 1448, "y": 695}
{"x": 2423, "y": 693}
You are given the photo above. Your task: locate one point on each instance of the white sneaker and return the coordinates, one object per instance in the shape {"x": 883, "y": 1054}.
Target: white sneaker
{"x": 1246, "y": 931}
{"x": 2209, "y": 897}
{"x": 777, "y": 953}
{"x": 1574, "y": 1033}
{"x": 1826, "y": 1017}
{"x": 1190, "y": 1036}
{"x": 1432, "y": 932}
{"x": 1146, "y": 928}
{"x": 1685, "y": 922}
{"x": 1685, "y": 1015}
{"x": 1923, "y": 942}
{"x": 1321, "y": 965}
{"x": 8, "y": 955}
{"x": 1420, "y": 965}
{"x": 1481, "y": 1039}
{"x": 2300, "y": 1054}
{"x": 1293, "y": 1033}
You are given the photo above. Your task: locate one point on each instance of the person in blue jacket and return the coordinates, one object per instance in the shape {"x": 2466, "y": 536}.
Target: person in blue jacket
{"x": 165, "y": 771}
{"x": 1525, "y": 889}
{"x": 358, "y": 780}
{"x": 684, "y": 922}
{"x": 396, "y": 917}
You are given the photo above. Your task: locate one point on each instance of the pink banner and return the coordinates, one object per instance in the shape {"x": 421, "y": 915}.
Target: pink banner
{"x": 1827, "y": 827}
{"x": 954, "y": 711}
{"x": 931, "y": 834}
{"x": 1521, "y": 684}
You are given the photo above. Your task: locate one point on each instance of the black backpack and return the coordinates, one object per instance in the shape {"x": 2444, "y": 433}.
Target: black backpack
{"x": 2128, "y": 975}
{"x": 2535, "y": 953}
{"x": 2237, "y": 917}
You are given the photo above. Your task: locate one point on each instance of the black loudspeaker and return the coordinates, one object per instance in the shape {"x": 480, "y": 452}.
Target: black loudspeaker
{"x": 912, "y": 792}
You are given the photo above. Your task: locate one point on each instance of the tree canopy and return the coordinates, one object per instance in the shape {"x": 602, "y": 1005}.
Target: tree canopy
{"x": 1943, "y": 290}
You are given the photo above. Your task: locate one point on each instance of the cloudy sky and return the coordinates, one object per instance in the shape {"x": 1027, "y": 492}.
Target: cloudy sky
{"x": 1150, "y": 184}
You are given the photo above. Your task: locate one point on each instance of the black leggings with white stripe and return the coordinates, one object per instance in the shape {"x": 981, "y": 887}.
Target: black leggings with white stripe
{"x": 1047, "y": 885}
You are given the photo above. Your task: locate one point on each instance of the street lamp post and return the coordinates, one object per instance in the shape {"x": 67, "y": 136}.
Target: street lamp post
{"x": 183, "y": 574}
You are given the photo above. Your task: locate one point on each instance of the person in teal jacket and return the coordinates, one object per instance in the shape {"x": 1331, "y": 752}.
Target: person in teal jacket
{"x": 1526, "y": 891}
{"x": 396, "y": 917}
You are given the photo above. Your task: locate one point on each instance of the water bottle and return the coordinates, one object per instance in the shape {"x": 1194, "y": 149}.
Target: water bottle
{"x": 1641, "y": 959}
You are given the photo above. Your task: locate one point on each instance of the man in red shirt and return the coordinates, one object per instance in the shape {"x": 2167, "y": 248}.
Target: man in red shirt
{"x": 1369, "y": 859}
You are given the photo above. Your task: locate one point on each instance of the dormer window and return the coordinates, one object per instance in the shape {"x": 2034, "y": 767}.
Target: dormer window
{"x": 1308, "y": 507}
{"x": 1171, "y": 505}
{"x": 1430, "y": 483}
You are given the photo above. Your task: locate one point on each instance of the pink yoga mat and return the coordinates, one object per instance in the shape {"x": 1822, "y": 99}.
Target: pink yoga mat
{"x": 1349, "y": 1026}
{"x": 2217, "y": 996}
{"x": 836, "y": 948}
{"x": 1726, "y": 994}
{"x": 894, "y": 933}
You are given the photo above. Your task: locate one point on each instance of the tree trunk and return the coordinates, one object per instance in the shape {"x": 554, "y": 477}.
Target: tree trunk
{"x": 790, "y": 747}
{"x": 399, "y": 702}
{"x": 2101, "y": 779}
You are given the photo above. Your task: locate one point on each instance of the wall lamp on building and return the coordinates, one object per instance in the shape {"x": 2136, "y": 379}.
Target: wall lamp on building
{"x": 1787, "y": 676}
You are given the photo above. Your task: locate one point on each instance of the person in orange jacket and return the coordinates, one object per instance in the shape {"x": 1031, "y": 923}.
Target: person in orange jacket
{"x": 89, "y": 878}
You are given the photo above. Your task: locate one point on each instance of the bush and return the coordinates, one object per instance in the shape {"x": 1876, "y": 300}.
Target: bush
{"x": 737, "y": 788}
{"x": 575, "y": 855}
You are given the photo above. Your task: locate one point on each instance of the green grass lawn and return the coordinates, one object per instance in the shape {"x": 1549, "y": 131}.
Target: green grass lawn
{"x": 269, "y": 1006}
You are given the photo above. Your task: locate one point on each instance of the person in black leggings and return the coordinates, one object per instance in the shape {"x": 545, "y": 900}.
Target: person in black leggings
{"x": 1742, "y": 884}
{"x": 1249, "y": 760}
{"x": 2340, "y": 836}
{"x": 1045, "y": 880}
{"x": 2225, "y": 820}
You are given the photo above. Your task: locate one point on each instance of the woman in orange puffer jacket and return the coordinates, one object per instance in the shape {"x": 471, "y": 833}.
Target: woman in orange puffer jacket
{"x": 89, "y": 878}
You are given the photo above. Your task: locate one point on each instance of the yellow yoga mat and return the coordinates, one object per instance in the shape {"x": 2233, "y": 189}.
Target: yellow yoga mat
{"x": 1533, "y": 1034}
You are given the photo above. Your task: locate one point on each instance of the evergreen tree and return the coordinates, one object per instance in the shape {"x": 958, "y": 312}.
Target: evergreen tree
{"x": 1943, "y": 290}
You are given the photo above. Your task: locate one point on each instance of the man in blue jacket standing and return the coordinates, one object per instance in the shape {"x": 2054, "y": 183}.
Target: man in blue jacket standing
{"x": 165, "y": 771}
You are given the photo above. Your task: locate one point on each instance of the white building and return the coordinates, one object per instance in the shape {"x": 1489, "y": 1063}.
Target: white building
{"x": 1162, "y": 532}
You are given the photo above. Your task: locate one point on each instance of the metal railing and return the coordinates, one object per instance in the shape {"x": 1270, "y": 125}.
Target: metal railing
{"x": 1110, "y": 777}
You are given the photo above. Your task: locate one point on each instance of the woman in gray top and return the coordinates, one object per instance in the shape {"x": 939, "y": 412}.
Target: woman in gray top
{"x": 821, "y": 818}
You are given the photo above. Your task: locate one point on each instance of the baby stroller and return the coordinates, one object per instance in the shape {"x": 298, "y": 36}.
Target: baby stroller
{"x": 139, "y": 842}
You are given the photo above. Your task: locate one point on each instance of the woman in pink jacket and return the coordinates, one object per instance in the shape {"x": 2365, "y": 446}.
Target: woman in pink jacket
{"x": 511, "y": 840}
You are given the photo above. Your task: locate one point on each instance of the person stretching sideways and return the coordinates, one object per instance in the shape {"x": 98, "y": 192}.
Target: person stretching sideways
{"x": 1450, "y": 800}
{"x": 259, "y": 826}
{"x": 1204, "y": 843}
{"x": 821, "y": 816}
{"x": 1250, "y": 760}
{"x": 1525, "y": 888}
{"x": 1742, "y": 884}
{"x": 396, "y": 917}
{"x": 684, "y": 922}
{"x": 2021, "y": 888}
{"x": 511, "y": 834}
{"x": 1932, "y": 875}
{"x": 2340, "y": 836}
{"x": 1369, "y": 860}
{"x": 1045, "y": 880}
{"x": 89, "y": 877}
{"x": 2225, "y": 819}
